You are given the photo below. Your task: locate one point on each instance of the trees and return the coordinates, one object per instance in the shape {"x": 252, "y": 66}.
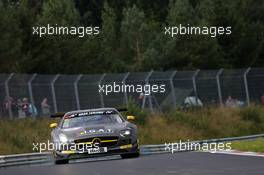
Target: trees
{"x": 109, "y": 39}
{"x": 10, "y": 38}
{"x": 190, "y": 51}
{"x": 247, "y": 43}
{"x": 243, "y": 47}
{"x": 132, "y": 35}
{"x": 55, "y": 53}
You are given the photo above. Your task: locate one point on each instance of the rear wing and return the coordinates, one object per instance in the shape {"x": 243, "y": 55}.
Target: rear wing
{"x": 121, "y": 109}
{"x": 61, "y": 114}
{"x": 58, "y": 115}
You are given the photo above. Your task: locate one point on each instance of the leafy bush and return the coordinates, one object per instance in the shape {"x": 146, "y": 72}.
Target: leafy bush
{"x": 252, "y": 114}
{"x": 135, "y": 110}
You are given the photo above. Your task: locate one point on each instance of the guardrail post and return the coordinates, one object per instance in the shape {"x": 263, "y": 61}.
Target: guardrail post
{"x": 2, "y": 160}
{"x": 54, "y": 93}
{"x": 173, "y": 89}
{"x": 150, "y": 96}
{"x": 125, "y": 93}
{"x": 30, "y": 90}
{"x": 101, "y": 95}
{"x": 246, "y": 85}
{"x": 219, "y": 86}
{"x": 8, "y": 95}
{"x": 195, "y": 86}
{"x": 77, "y": 91}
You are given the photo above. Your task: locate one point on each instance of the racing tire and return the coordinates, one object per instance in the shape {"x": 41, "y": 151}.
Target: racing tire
{"x": 62, "y": 161}
{"x": 130, "y": 155}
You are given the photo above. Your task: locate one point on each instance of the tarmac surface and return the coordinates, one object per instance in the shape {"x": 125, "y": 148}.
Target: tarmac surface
{"x": 187, "y": 163}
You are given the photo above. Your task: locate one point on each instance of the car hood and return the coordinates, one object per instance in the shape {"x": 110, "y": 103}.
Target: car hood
{"x": 94, "y": 130}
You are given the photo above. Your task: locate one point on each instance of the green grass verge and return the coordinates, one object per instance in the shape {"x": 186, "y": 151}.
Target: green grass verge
{"x": 18, "y": 136}
{"x": 249, "y": 145}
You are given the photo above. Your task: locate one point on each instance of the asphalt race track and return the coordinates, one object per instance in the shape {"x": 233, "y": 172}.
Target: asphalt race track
{"x": 188, "y": 163}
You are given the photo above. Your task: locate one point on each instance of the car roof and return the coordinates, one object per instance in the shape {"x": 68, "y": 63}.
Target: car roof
{"x": 91, "y": 110}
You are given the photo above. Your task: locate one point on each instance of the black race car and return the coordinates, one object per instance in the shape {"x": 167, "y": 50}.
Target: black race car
{"x": 93, "y": 132}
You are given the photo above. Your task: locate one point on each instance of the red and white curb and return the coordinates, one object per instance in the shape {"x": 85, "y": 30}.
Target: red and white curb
{"x": 239, "y": 153}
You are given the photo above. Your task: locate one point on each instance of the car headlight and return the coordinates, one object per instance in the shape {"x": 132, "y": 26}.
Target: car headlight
{"x": 63, "y": 138}
{"x": 125, "y": 133}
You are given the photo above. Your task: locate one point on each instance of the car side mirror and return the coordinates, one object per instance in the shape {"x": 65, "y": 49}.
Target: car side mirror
{"x": 53, "y": 125}
{"x": 130, "y": 118}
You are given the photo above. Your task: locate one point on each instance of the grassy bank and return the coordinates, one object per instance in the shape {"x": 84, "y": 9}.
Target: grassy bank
{"x": 17, "y": 136}
{"x": 251, "y": 145}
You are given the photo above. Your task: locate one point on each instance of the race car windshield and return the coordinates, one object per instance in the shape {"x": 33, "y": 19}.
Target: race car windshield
{"x": 91, "y": 120}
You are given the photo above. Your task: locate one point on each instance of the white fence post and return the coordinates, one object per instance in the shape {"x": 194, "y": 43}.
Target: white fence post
{"x": 101, "y": 95}
{"x": 54, "y": 93}
{"x": 8, "y": 95}
{"x": 219, "y": 86}
{"x": 76, "y": 90}
{"x": 125, "y": 93}
{"x": 30, "y": 90}
{"x": 195, "y": 86}
{"x": 246, "y": 86}
{"x": 173, "y": 89}
{"x": 149, "y": 98}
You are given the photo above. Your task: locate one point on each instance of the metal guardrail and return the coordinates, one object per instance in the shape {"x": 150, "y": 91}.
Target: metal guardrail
{"x": 25, "y": 159}
{"x": 46, "y": 157}
{"x": 162, "y": 148}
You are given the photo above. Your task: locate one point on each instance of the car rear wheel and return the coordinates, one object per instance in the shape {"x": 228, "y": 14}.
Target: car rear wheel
{"x": 62, "y": 161}
{"x": 130, "y": 155}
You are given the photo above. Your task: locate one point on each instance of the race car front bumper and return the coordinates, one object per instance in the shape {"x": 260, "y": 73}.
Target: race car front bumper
{"x": 102, "y": 151}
